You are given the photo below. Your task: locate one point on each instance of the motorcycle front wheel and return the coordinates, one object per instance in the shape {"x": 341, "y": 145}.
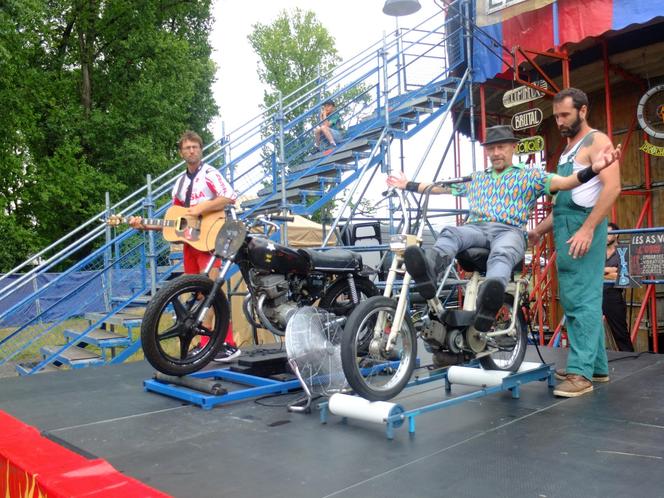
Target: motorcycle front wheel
{"x": 511, "y": 349}
{"x": 170, "y": 339}
{"x": 374, "y": 373}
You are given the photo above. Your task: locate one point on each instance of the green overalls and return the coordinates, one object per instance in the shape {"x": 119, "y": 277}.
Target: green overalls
{"x": 581, "y": 282}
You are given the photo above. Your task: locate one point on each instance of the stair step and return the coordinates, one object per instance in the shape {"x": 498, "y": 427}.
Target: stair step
{"x": 293, "y": 196}
{"x": 423, "y": 110}
{"x": 73, "y": 355}
{"x": 26, "y": 368}
{"x": 333, "y": 156}
{"x": 126, "y": 318}
{"x": 330, "y": 169}
{"x": 306, "y": 181}
{"x": 140, "y": 300}
{"x": 100, "y": 337}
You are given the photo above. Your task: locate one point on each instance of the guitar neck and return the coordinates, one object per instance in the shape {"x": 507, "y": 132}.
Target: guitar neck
{"x": 158, "y": 222}
{"x": 149, "y": 222}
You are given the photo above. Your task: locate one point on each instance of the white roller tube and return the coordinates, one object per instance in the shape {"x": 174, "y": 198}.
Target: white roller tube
{"x": 475, "y": 376}
{"x": 529, "y": 365}
{"x": 483, "y": 378}
{"x": 361, "y": 409}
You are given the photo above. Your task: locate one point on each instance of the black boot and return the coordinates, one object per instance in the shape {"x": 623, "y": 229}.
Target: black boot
{"x": 422, "y": 270}
{"x": 489, "y": 300}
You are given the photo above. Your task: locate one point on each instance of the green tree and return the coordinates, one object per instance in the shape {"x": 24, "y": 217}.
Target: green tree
{"x": 97, "y": 93}
{"x": 293, "y": 51}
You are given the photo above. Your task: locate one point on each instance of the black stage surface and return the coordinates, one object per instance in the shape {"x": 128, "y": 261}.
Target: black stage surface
{"x": 608, "y": 443}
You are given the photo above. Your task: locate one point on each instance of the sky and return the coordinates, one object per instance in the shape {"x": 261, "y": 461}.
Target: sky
{"x": 354, "y": 24}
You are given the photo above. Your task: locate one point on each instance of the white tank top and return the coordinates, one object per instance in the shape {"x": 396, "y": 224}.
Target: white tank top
{"x": 586, "y": 194}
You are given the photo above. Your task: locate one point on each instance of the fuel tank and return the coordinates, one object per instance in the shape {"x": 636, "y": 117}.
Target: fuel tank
{"x": 265, "y": 254}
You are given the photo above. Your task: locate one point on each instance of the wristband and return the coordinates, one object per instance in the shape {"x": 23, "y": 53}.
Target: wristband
{"x": 586, "y": 174}
{"x": 412, "y": 186}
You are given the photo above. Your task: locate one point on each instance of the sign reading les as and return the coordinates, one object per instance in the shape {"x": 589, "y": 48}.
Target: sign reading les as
{"x": 646, "y": 255}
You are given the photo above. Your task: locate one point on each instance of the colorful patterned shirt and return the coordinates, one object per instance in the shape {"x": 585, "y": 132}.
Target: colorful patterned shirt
{"x": 507, "y": 197}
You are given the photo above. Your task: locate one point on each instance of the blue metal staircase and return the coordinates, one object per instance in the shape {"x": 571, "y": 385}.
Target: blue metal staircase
{"x": 84, "y": 316}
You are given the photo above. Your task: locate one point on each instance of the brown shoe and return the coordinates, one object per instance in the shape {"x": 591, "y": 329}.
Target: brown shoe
{"x": 561, "y": 374}
{"x": 573, "y": 386}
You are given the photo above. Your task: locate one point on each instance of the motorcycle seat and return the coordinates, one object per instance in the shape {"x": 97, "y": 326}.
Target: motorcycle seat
{"x": 475, "y": 258}
{"x": 340, "y": 260}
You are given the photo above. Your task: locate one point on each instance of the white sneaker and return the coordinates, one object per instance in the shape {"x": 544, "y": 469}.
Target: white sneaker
{"x": 227, "y": 354}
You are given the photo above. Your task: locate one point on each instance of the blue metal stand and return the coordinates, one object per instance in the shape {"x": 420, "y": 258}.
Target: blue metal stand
{"x": 510, "y": 383}
{"x": 260, "y": 387}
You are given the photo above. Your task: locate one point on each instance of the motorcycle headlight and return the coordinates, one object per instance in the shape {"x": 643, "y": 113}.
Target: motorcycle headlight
{"x": 398, "y": 243}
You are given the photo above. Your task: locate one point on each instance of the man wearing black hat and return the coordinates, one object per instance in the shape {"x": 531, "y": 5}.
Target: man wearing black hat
{"x": 500, "y": 200}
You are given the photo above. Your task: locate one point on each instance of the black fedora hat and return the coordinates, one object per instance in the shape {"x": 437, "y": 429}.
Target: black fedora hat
{"x": 499, "y": 134}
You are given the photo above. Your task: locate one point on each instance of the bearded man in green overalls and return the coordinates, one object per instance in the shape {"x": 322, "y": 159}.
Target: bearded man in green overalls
{"x": 579, "y": 230}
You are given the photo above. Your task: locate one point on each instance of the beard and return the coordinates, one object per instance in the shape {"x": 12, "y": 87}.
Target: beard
{"x": 573, "y": 129}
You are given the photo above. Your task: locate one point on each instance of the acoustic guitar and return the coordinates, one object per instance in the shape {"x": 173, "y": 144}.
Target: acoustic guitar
{"x": 200, "y": 232}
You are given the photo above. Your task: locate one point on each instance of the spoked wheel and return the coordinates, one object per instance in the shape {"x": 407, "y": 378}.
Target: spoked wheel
{"x": 374, "y": 373}
{"x": 170, "y": 338}
{"x": 338, "y": 299}
{"x": 511, "y": 349}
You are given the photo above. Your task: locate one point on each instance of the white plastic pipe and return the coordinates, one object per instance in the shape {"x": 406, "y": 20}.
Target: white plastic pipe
{"x": 358, "y": 408}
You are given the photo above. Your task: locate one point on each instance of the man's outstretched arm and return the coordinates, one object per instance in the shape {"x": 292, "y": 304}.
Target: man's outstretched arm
{"x": 400, "y": 181}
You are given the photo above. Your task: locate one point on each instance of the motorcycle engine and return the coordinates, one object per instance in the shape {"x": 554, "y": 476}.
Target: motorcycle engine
{"x": 277, "y": 307}
{"x": 274, "y": 285}
{"x": 433, "y": 333}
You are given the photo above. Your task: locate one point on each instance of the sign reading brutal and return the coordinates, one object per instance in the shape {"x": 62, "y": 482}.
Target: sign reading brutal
{"x": 527, "y": 119}
{"x": 523, "y": 94}
{"x": 530, "y": 145}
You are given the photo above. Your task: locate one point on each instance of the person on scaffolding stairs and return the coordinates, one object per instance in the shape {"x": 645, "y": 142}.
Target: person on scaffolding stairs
{"x": 328, "y": 133}
{"x": 500, "y": 200}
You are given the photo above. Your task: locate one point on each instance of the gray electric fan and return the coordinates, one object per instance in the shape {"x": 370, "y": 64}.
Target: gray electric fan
{"x": 313, "y": 338}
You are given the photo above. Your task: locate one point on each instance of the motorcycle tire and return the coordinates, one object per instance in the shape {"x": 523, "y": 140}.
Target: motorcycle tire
{"x": 174, "y": 348}
{"x": 377, "y": 377}
{"x": 513, "y": 349}
{"x": 337, "y": 297}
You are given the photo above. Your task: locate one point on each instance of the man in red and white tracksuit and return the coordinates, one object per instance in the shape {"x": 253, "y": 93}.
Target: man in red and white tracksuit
{"x": 202, "y": 190}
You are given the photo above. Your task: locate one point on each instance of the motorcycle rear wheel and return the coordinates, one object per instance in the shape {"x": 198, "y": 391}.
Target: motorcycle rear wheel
{"x": 381, "y": 376}
{"x": 169, "y": 337}
{"x": 512, "y": 349}
{"x": 337, "y": 298}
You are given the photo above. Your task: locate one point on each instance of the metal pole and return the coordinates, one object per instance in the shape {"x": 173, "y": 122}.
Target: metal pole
{"x": 385, "y": 145}
{"x": 107, "y": 276}
{"x": 355, "y": 185}
{"x": 442, "y": 121}
{"x": 282, "y": 169}
{"x": 151, "y": 255}
{"x": 469, "y": 61}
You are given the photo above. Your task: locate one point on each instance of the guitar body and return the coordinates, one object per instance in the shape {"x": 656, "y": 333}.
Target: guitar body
{"x": 200, "y": 232}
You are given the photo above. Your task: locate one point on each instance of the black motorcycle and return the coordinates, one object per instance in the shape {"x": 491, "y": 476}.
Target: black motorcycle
{"x": 279, "y": 280}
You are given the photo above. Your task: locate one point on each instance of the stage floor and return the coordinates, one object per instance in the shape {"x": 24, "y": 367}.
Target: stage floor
{"x": 605, "y": 444}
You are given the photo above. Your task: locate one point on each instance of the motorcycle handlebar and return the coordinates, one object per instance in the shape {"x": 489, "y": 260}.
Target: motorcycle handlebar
{"x": 445, "y": 183}
{"x": 277, "y": 217}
